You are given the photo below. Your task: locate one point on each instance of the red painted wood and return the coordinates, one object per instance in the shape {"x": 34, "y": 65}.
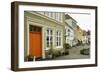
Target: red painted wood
{"x": 35, "y": 44}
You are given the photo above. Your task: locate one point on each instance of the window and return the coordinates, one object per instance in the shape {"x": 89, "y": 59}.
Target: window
{"x": 34, "y": 28}
{"x": 68, "y": 30}
{"x": 53, "y": 15}
{"x": 46, "y": 13}
{"x": 68, "y": 34}
{"x": 49, "y": 14}
{"x": 58, "y": 17}
{"x": 49, "y": 38}
{"x": 58, "y": 38}
{"x": 61, "y": 17}
{"x": 41, "y": 12}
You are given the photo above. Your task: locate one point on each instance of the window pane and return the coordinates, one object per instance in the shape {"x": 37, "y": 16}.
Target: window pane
{"x": 50, "y": 43}
{"x": 31, "y": 28}
{"x": 38, "y": 29}
{"x": 51, "y": 38}
{"x": 47, "y": 38}
{"x": 57, "y": 33}
{"x": 59, "y": 41}
{"x": 68, "y": 30}
{"x": 47, "y": 44}
{"x": 68, "y": 34}
{"x": 47, "y": 32}
{"x": 50, "y": 32}
{"x": 58, "y": 38}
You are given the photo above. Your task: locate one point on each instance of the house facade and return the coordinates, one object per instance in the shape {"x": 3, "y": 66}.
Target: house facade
{"x": 86, "y": 37}
{"x": 43, "y": 31}
{"x": 69, "y": 34}
{"x": 72, "y": 24}
{"x": 79, "y": 35}
{"x": 47, "y": 31}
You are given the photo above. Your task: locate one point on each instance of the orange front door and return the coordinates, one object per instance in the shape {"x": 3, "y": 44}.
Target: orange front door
{"x": 35, "y": 44}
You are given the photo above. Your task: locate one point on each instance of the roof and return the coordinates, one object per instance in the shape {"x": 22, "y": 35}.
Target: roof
{"x": 68, "y": 25}
{"x": 69, "y": 17}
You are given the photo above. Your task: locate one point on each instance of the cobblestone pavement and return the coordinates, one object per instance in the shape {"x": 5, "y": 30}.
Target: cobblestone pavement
{"x": 74, "y": 53}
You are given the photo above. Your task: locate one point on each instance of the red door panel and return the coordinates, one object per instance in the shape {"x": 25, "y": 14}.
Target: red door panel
{"x": 35, "y": 44}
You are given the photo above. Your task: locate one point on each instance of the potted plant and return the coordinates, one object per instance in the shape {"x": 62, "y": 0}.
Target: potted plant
{"x": 66, "y": 47}
{"x": 29, "y": 58}
{"x": 50, "y": 52}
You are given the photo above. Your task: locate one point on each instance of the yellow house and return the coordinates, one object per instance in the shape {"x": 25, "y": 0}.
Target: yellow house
{"x": 79, "y": 34}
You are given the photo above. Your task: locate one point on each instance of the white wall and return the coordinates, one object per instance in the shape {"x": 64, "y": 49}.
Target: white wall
{"x": 69, "y": 38}
{"x": 5, "y": 38}
{"x": 69, "y": 21}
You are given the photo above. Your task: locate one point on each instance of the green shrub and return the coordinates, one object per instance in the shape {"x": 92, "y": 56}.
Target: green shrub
{"x": 66, "y": 52}
{"x": 56, "y": 53}
{"x": 29, "y": 58}
{"x": 79, "y": 43}
{"x": 67, "y": 46}
{"x": 85, "y": 51}
{"x": 48, "y": 54}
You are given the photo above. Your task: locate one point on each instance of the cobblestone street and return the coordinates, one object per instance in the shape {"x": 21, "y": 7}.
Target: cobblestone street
{"x": 74, "y": 53}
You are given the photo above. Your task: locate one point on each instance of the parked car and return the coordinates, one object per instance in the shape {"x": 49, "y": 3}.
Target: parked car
{"x": 85, "y": 51}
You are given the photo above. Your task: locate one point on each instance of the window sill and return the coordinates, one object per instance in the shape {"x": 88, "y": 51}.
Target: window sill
{"x": 59, "y": 47}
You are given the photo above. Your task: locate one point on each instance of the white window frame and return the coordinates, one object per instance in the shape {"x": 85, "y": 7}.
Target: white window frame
{"x": 49, "y": 35}
{"x": 59, "y": 35}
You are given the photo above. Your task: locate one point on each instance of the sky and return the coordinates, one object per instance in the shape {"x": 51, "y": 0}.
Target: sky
{"x": 83, "y": 20}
